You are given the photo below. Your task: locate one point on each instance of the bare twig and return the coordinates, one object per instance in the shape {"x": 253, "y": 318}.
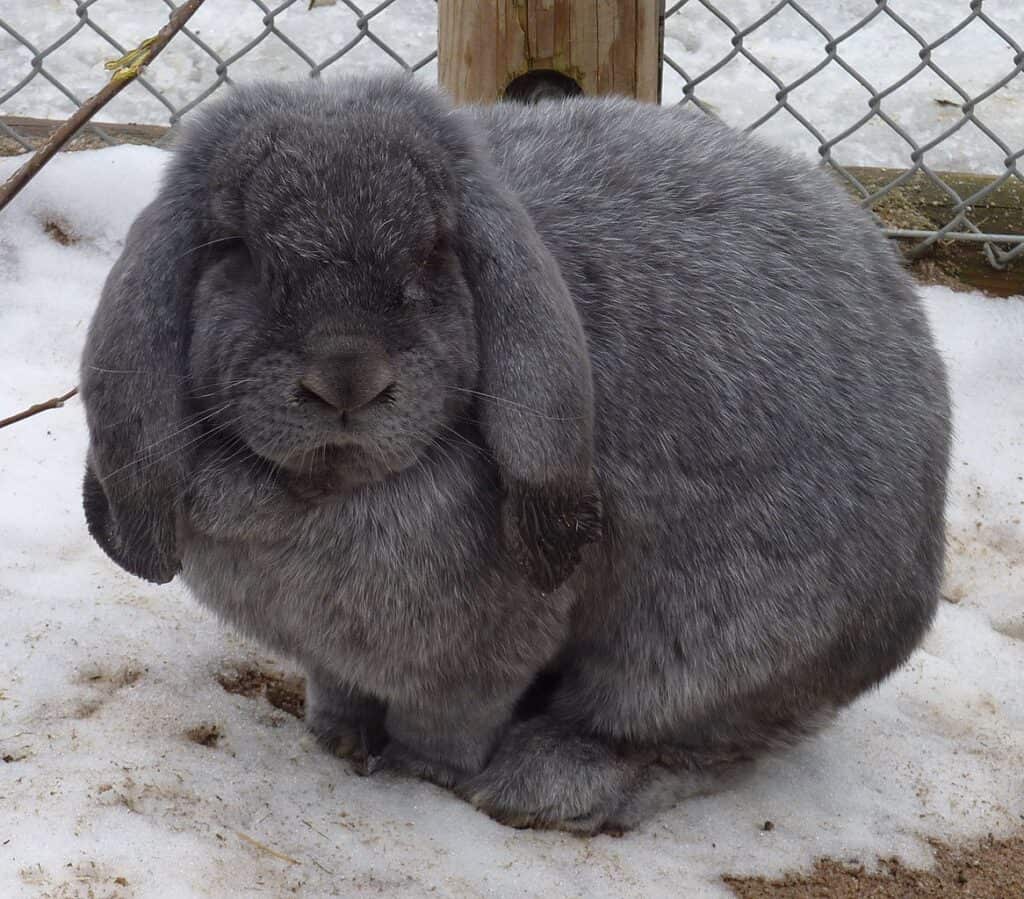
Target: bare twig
{"x": 125, "y": 71}
{"x": 265, "y": 848}
{"x": 312, "y": 828}
{"x": 54, "y": 403}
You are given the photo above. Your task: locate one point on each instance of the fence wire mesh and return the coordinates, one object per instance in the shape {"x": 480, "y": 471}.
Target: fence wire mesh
{"x": 916, "y": 89}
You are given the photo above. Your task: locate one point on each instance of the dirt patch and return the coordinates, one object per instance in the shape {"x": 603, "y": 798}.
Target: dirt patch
{"x": 109, "y": 679}
{"x": 1012, "y": 629}
{"x": 942, "y": 272}
{"x": 103, "y": 683}
{"x": 170, "y": 800}
{"x": 85, "y": 709}
{"x": 285, "y": 692}
{"x": 902, "y": 209}
{"x": 9, "y": 754}
{"x": 60, "y": 232}
{"x": 77, "y": 880}
{"x": 990, "y": 869}
{"x": 962, "y": 267}
{"x": 205, "y": 734}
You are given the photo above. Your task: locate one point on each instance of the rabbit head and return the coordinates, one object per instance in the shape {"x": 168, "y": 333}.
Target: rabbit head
{"x": 329, "y": 278}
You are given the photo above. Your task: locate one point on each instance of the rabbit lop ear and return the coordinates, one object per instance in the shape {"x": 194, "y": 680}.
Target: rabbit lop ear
{"x": 133, "y": 386}
{"x": 135, "y": 371}
{"x": 535, "y": 391}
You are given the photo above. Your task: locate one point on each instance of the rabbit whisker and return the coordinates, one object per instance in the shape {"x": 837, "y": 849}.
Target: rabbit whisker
{"x": 128, "y": 371}
{"x": 208, "y": 243}
{"x": 515, "y": 405}
{"x": 181, "y": 482}
{"x": 191, "y": 421}
{"x": 187, "y": 421}
{"x": 465, "y": 440}
{"x": 143, "y": 456}
{"x": 236, "y": 450}
{"x": 222, "y": 388}
{"x": 383, "y": 460}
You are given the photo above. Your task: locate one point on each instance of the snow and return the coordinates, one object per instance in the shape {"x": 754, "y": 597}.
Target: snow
{"x": 101, "y": 675}
{"x": 883, "y": 52}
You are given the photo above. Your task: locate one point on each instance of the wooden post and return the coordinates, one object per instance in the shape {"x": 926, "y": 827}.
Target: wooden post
{"x": 527, "y": 49}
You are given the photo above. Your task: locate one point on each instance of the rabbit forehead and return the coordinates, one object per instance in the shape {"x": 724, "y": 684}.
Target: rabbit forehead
{"x": 334, "y": 193}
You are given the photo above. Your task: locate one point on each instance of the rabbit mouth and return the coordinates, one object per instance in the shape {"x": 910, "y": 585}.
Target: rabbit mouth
{"x": 333, "y": 468}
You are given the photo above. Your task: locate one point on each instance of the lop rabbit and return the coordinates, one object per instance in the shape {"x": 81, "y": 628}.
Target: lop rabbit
{"x": 578, "y": 452}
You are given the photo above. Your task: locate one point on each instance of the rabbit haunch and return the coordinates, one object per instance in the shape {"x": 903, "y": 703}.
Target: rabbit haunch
{"x": 577, "y": 451}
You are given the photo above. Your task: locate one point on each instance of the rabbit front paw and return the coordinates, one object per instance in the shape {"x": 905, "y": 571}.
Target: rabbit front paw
{"x": 444, "y": 743}
{"x": 402, "y": 759}
{"x": 345, "y": 722}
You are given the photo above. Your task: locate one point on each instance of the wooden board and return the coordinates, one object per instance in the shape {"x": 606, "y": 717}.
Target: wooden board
{"x": 922, "y": 205}
{"x": 35, "y": 131}
{"x": 919, "y": 204}
{"x": 604, "y": 46}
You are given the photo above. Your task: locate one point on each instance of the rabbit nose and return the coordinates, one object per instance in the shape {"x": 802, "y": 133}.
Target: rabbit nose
{"x": 349, "y": 381}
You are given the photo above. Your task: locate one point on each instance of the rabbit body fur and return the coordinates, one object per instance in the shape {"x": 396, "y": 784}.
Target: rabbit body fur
{"x": 661, "y": 473}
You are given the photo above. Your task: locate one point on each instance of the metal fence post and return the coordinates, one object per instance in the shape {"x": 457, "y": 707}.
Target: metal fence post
{"x": 527, "y": 49}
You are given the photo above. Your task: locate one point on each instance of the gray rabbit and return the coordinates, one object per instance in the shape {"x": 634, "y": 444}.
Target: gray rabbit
{"x": 579, "y": 452}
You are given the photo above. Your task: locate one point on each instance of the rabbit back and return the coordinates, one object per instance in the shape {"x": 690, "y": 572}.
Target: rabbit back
{"x": 771, "y": 423}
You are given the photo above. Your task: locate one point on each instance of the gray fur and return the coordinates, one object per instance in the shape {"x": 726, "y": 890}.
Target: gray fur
{"x": 658, "y": 484}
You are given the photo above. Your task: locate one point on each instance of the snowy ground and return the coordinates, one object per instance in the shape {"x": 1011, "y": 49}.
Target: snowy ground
{"x": 832, "y": 101}
{"x": 102, "y": 678}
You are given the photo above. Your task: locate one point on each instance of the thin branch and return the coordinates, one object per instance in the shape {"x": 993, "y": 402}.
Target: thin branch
{"x": 125, "y": 71}
{"x": 263, "y": 847}
{"x": 54, "y": 403}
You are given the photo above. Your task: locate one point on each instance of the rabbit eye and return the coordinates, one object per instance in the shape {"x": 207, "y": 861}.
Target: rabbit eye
{"x": 409, "y": 294}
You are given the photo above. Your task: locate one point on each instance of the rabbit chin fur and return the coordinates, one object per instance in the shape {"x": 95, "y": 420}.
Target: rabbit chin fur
{"x": 647, "y": 475}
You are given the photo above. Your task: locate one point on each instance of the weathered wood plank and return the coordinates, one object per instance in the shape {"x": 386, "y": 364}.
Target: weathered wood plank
{"x": 37, "y": 130}
{"x": 919, "y": 204}
{"x": 582, "y": 54}
{"x": 650, "y": 26}
{"x": 604, "y": 46}
{"x": 470, "y": 68}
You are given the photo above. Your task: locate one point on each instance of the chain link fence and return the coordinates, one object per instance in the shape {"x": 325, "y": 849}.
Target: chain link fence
{"x": 916, "y": 90}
